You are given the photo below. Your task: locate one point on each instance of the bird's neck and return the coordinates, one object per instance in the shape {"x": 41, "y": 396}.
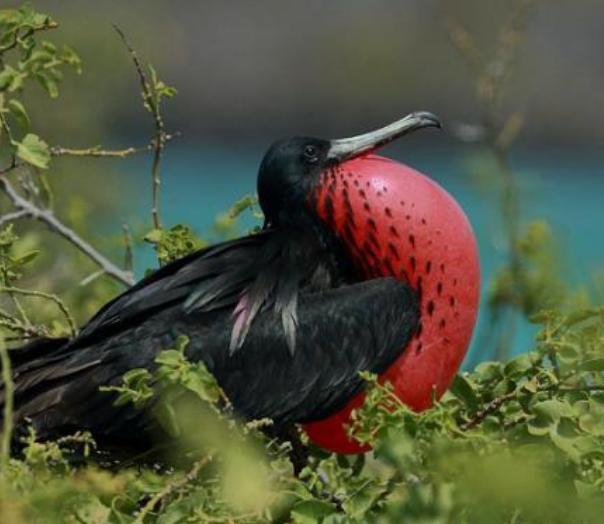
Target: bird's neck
{"x": 316, "y": 253}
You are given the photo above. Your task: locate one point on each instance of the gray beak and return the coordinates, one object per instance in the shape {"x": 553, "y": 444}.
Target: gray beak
{"x": 346, "y": 148}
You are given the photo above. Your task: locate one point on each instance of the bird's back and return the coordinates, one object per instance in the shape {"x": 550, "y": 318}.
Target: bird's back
{"x": 201, "y": 296}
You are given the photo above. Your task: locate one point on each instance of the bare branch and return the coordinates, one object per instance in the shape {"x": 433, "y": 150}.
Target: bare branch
{"x": 47, "y": 296}
{"x": 91, "y": 278}
{"x": 488, "y": 409}
{"x": 47, "y": 217}
{"x": 10, "y": 217}
{"x": 99, "y": 152}
{"x": 12, "y": 323}
{"x": 173, "y": 487}
{"x": 17, "y": 325}
{"x": 152, "y": 104}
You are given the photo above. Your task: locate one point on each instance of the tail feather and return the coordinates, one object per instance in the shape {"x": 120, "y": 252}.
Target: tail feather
{"x": 36, "y": 354}
{"x": 56, "y": 390}
{"x": 38, "y": 348}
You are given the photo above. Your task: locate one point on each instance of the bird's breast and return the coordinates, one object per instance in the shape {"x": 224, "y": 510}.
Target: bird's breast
{"x": 395, "y": 221}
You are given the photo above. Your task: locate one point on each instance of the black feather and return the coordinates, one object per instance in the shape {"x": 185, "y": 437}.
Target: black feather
{"x": 295, "y": 296}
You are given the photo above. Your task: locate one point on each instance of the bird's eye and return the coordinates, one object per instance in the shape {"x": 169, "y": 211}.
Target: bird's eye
{"x": 310, "y": 153}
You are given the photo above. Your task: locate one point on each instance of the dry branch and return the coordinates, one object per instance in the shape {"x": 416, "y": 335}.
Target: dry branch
{"x": 151, "y": 102}
{"x": 99, "y": 152}
{"x": 47, "y": 296}
{"x": 173, "y": 487}
{"x": 30, "y": 210}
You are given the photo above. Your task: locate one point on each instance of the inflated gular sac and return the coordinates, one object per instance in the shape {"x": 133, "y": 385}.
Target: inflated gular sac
{"x": 395, "y": 221}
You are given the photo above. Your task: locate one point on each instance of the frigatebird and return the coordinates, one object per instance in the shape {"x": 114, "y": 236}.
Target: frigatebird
{"x": 284, "y": 318}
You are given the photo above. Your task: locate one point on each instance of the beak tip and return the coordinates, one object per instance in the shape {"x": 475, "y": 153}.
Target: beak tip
{"x": 428, "y": 119}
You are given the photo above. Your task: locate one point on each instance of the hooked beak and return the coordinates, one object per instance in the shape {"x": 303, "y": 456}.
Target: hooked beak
{"x": 346, "y": 148}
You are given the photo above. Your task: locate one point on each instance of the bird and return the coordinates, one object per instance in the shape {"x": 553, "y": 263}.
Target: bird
{"x": 284, "y": 318}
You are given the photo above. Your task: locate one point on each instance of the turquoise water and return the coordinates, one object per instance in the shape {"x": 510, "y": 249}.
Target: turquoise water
{"x": 564, "y": 188}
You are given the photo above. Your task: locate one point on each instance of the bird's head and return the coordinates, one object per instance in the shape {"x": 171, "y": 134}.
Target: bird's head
{"x": 292, "y": 168}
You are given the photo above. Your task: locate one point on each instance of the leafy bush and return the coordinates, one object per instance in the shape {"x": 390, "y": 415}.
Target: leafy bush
{"x": 515, "y": 441}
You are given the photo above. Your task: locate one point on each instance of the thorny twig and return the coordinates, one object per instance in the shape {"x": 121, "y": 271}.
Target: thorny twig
{"x": 48, "y": 217}
{"x": 47, "y": 296}
{"x": 172, "y": 487}
{"x": 487, "y": 410}
{"x": 152, "y": 104}
{"x": 493, "y": 406}
{"x": 25, "y": 329}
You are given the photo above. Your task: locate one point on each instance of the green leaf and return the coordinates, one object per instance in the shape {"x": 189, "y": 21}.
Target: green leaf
{"x": 160, "y": 89}
{"x": 547, "y": 414}
{"x": 93, "y": 512}
{"x": 489, "y": 371}
{"x": 169, "y": 358}
{"x": 311, "y": 512}
{"x": 33, "y": 150}
{"x": 137, "y": 376}
{"x": 246, "y": 202}
{"x": 179, "y": 511}
{"x": 26, "y": 258}
{"x": 49, "y": 84}
{"x": 592, "y": 423}
{"x": 362, "y": 500}
{"x": 518, "y": 366}
{"x": 591, "y": 417}
{"x": 167, "y": 417}
{"x": 585, "y": 490}
{"x": 19, "y": 113}
{"x": 532, "y": 385}
{"x": 552, "y": 409}
{"x": 70, "y": 57}
{"x": 594, "y": 364}
{"x": 463, "y": 389}
{"x": 202, "y": 383}
{"x": 27, "y": 16}
{"x": 581, "y": 315}
{"x": 154, "y": 236}
{"x": 136, "y": 388}
{"x": 11, "y": 80}
{"x": 176, "y": 242}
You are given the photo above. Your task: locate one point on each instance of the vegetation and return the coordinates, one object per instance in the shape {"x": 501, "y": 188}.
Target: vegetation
{"x": 514, "y": 441}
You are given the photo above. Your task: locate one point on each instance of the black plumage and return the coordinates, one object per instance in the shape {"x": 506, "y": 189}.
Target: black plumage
{"x": 281, "y": 318}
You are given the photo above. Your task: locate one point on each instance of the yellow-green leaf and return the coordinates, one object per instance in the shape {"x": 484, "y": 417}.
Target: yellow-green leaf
{"x": 33, "y": 150}
{"x": 19, "y": 113}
